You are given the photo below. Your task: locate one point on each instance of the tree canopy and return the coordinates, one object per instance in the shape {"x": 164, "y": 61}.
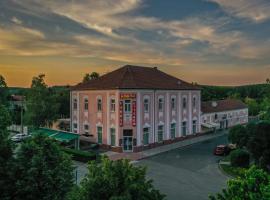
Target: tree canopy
{"x": 111, "y": 180}
{"x": 3, "y": 90}
{"x": 87, "y": 77}
{"x": 238, "y": 135}
{"x": 43, "y": 170}
{"x": 42, "y": 106}
{"x": 254, "y": 185}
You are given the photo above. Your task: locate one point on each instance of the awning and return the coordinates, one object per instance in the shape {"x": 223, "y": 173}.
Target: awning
{"x": 210, "y": 125}
{"x": 58, "y": 135}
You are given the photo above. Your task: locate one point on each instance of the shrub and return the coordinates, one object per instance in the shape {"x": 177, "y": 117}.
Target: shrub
{"x": 82, "y": 156}
{"x": 239, "y": 158}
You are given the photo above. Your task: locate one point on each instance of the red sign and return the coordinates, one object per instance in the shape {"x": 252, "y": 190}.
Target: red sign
{"x": 133, "y": 113}
{"x": 121, "y": 113}
{"x": 127, "y": 96}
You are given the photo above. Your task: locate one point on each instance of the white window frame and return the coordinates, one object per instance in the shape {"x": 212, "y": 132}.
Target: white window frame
{"x": 127, "y": 106}
{"x": 173, "y": 103}
{"x": 160, "y": 104}
{"x": 112, "y": 105}
{"x": 146, "y": 105}
{"x": 99, "y": 104}
{"x": 160, "y": 131}
{"x": 75, "y": 102}
{"x": 86, "y": 104}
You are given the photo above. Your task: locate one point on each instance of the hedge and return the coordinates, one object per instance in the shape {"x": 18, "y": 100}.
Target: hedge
{"x": 82, "y": 156}
{"x": 240, "y": 158}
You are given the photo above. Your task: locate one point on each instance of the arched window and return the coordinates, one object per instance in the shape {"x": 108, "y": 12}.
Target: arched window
{"x": 160, "y": 104}
{"x": 99, "y": 105}
{"x": 85, "y": 104}
{"x": 75, "y": 104}
{"x": 184, "y": 102}
{"x": 173, "y": 101}
{"x": 146, "y": 105}
{"x": 194, "y": 101}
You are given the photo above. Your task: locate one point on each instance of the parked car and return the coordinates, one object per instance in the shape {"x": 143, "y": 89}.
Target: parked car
{"x": 222, "y": 150}
{"x": 19, "y": 137}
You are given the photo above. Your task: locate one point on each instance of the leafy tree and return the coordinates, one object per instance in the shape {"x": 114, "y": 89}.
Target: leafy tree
{"x": 3, "y": 90}
{"x": 238, "y": 135}
{"x": 268, "y": 80}
{"x": 259, "y": 144}
{"x": 42, "y": 106}
{"x": 254, "y": 185}
{"x": 253, "y": 106}
{"x": 239, "y": 158}
{"x": 44, "y": 171}
{"x": 87, "y": 77}
{"x": 6, "y": 159}
{"x": 115, "y": 180}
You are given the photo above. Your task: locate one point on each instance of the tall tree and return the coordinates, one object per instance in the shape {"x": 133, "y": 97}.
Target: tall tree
{"x": 87, "y": 77}
{"x": 115, "y": 180}
{"x": 259, "y": 144}
{"x": 3, "y": 90}
{"x": 42, "y": 106}
{"x": 44, "y": 171}
{"x": 238, "y": 135}
{"x": 6, "y": 158}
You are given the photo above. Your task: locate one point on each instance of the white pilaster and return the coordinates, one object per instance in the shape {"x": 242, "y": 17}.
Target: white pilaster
{"x": 108, "y": 118}
{"x": 190, "y": 113}
{"x": 167, "y": 115}
{"x": 179, "y": 114}
{"x": 117, "y": 130}
{"x": 138, "y": 118}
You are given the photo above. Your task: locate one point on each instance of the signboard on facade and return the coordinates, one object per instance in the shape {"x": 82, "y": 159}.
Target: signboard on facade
{"x": 121, "y": 113}
{"x": 133, "y": 113}
{"x": 127, "y": 96}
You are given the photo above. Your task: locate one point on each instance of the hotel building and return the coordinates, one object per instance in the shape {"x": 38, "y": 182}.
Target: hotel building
{"x": 135, "y": 108}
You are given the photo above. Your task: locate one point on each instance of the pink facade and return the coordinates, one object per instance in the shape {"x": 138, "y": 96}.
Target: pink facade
{"x": 129, "y": 120}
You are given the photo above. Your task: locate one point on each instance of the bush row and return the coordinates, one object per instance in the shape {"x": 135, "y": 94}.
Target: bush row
{"x": 240, "y": 158}
{"x": 82, "y": 156}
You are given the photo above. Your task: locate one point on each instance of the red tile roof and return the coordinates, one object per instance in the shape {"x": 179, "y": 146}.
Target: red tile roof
{"x": 222, "y": 105}
{"x": 136, "y": 77}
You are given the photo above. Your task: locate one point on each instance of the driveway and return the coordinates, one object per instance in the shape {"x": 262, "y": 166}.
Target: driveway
{"x": 189, "y": 173}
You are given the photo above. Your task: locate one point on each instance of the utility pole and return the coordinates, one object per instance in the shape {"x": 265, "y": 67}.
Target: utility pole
{"x": 22, "y": 115}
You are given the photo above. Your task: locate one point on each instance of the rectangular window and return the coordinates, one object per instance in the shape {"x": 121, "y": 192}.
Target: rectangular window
{"x": 194, "y": 126}
{"x": 127, "y": 106}
{"x": 99, "y": 105}
{"x": 112, "y": 105}
{"x": 75, "y": 125}
{"x": 85, "y": 104}
{"x": 194, "y": 102}
{"x": 160, "y": 104}
{"x": 112, "y": 130}
{"x": 184, "y": 102}
{"x": 146, "y": 105}
{"x": 160, "y": 133}
{"x": 99, "y": 134}
{"x": 173, "y": 130}
{"x": 184, "y": 128}
{"x": 86, "y": 129}
{"x": 75, "y": 104}
{"x": 146, "y": 136}
{"x": 173, "y": 103}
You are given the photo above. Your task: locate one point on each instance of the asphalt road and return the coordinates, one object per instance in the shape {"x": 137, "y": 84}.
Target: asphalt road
{"x": 189, "y": 173}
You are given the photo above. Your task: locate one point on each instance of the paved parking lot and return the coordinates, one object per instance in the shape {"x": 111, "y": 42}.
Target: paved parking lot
{"x": 189, "y": 173}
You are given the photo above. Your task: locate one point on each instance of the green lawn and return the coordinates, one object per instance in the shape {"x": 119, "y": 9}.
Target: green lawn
{"x": 228, "y": 169}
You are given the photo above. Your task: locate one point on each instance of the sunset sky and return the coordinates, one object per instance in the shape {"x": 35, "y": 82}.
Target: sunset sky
{"x": 217, "y": 42}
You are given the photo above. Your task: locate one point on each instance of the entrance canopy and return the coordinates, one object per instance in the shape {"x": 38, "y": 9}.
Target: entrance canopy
{"x": 210, "y": 125}
{"x": 61, "y": 136}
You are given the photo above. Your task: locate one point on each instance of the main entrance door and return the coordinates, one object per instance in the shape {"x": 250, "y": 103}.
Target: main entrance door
{"x": 127, "y": 141}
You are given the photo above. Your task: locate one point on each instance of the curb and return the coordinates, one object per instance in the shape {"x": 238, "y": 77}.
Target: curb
{"x": 222, "y": 171}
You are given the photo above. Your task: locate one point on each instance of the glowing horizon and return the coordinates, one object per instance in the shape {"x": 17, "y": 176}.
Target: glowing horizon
{"x": 211, "y": 42}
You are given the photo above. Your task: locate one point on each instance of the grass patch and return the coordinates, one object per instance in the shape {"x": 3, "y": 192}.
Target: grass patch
{"x": 233, "y": 171}
{"x": 82, "y": 156}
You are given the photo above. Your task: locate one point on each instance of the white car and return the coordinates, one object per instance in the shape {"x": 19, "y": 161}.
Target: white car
{"x": 19, "y": 137}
